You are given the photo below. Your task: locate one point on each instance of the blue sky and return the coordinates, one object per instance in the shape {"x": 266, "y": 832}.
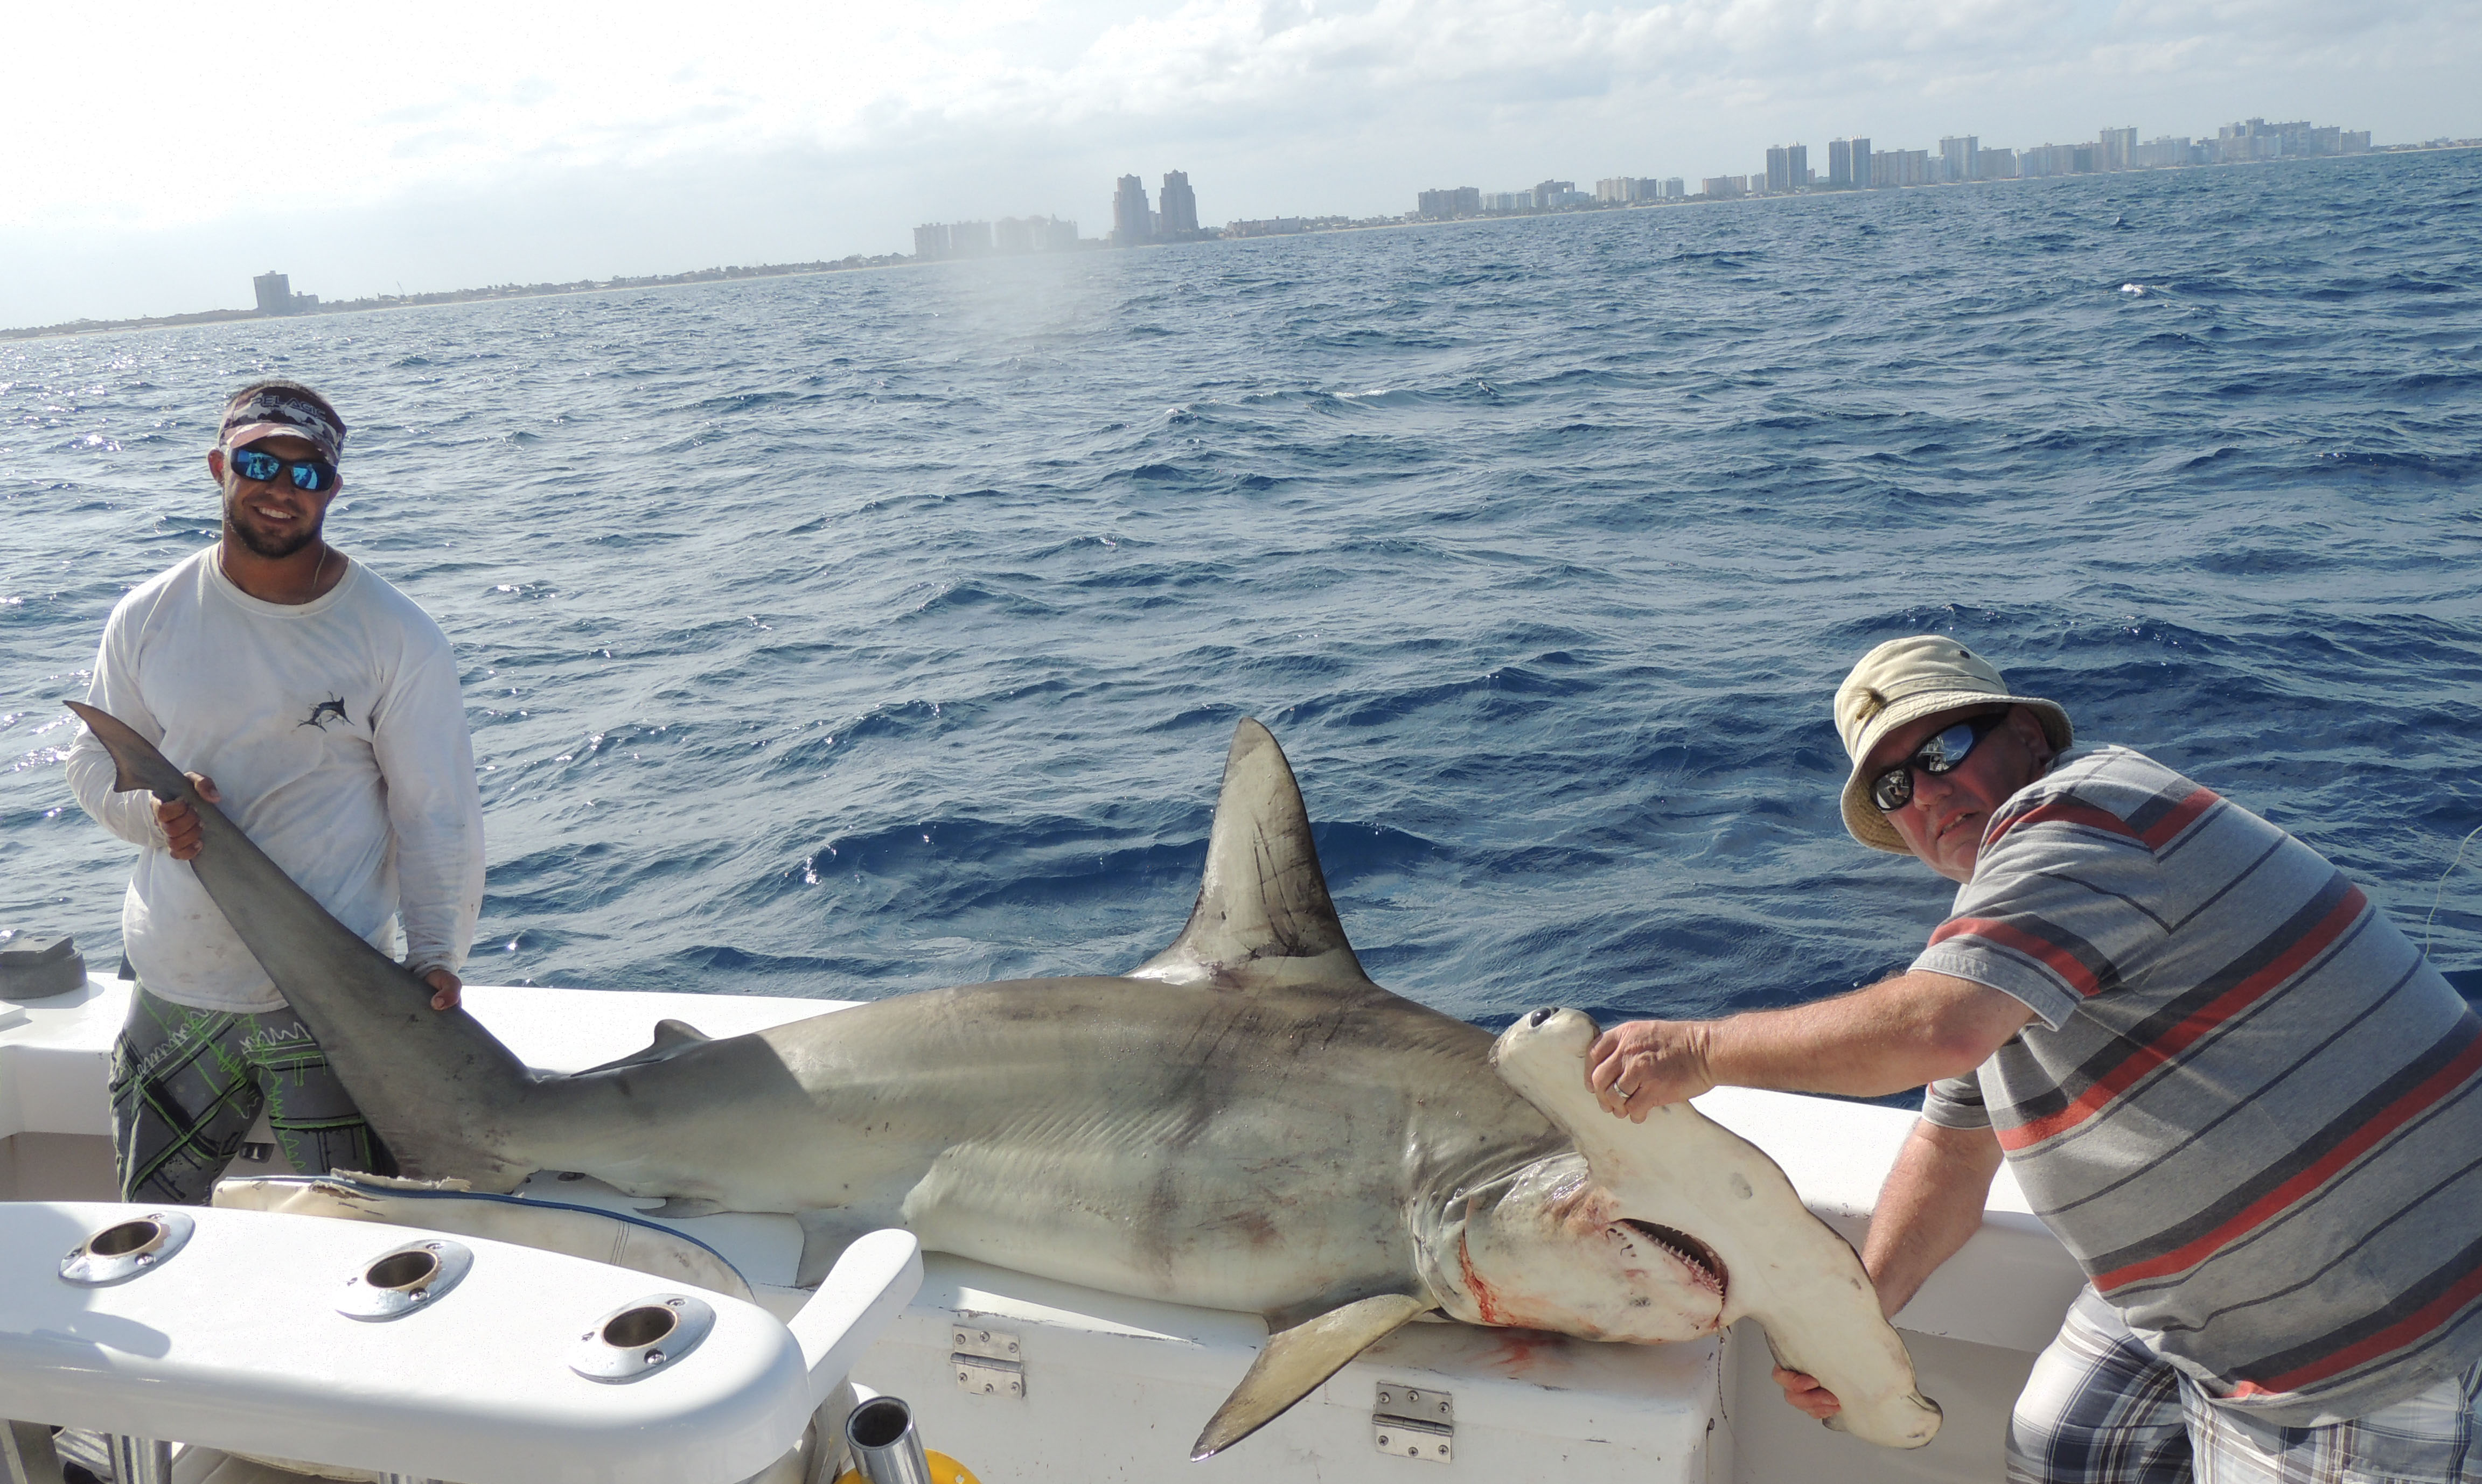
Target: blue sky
{"x": 160, "y": 155}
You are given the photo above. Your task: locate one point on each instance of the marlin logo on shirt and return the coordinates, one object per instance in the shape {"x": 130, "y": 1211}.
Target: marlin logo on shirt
{"x": 326, "y": 711}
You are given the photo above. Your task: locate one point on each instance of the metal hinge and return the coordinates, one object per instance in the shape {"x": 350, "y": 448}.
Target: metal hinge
{"x": 1414, "y": 1422}
{"x": 988, "y": 1361}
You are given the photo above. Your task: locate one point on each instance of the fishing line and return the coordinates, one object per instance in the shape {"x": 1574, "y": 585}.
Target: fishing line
{"x": 2442, "y": 889}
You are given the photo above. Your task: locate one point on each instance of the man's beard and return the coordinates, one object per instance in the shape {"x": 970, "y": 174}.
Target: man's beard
{"x": 275, "y": 548}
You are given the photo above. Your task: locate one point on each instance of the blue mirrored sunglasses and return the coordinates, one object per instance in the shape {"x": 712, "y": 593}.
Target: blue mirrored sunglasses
{"x": 1893, "y": 789}
{"x": 309, "y": 473}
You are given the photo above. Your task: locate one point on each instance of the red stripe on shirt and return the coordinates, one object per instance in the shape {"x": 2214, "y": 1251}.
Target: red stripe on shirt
{"x": 2057, "y": 959}
{"x": 2413, "y": 1104}
{"x": 2178, "y": 1038}
{"x": 2183, "y": 813}
{"x": 2065, "y": 810}
{"x": 2413, "y": 1326}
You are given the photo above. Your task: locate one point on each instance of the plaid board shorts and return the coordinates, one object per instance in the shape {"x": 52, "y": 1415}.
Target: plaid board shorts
{"x": 187, "y": 1084}
{"x": 2101, "y": 1406}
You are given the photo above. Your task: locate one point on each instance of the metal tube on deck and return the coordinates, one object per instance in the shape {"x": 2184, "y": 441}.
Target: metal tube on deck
{"x": 140, "y": 1460}
{"x": 886, "y": 1447}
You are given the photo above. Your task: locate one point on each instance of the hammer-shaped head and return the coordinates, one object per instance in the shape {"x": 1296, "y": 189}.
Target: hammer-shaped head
{"x": 1780, "y": 1264}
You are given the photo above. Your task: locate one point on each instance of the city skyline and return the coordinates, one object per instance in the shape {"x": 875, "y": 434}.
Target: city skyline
{"x": 1854, "y": 165}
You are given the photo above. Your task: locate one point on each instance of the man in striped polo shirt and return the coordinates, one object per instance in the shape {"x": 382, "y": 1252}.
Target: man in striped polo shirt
{"x": 2229, "y": 1085}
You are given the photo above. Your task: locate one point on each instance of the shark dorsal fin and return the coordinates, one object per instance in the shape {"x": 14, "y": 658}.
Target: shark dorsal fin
{"x": 1263, "y": 916}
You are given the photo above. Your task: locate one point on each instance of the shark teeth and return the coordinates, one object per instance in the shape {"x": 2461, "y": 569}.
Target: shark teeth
{"x": 1693, "y": 1254}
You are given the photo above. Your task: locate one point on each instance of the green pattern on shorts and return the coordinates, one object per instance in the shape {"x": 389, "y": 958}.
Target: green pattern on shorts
{"x": 187, "y": 1084}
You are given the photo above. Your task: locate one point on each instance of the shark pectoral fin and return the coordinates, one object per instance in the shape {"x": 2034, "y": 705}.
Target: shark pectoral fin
{"x": 671, "y": 1038}
{"x": 1295, "y": 1361}
{"x": 1263, "y": 918}
{"x": 136, "y": 764}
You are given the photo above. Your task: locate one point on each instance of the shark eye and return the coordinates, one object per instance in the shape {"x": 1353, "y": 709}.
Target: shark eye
{"x": 1535, "y": 1020}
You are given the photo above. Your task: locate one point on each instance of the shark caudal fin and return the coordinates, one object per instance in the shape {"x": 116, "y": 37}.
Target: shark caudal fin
{"x": 135, "y": 763}
{"x": 1263, "y": 916}
{"x": 1782, "y": 1264}
{"x": 442, "y": 1092}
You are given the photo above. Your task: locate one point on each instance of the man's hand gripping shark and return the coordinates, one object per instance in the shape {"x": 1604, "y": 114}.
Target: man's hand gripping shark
{"x": 1244, "y": 1122}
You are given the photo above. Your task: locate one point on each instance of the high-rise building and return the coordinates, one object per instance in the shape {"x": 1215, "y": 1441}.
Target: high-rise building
{"x": 1779, "y": 169}
{"x": 937, "y": 241}
{"x": 1674, "y": 189}
{"x": 1448, "y": 202}
{"x": 1862, "y": 167}
{"x": 2116, "y": 149}
{"x": 2045, "y": 160}
{"x": 1132, "y": 219}
{"x": 1180, "y": 206}
{"x": 1901, "y": 168}
{"x": 1550, "y": 195}
{"x": 1840, "y": 165}
{"x": 1956, "y": 157}
{"x": 275, "y": 292}
{"x": 1797, "y": 159}
{"x": 1994, "y": 165}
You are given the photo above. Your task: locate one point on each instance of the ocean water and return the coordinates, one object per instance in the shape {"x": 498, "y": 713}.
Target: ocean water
{"x": 848, "y": 635}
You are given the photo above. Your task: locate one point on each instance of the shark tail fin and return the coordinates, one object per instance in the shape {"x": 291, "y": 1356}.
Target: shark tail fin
{"x": 1295, "y": 1361}
{"x": 1264, "y": 916}
{"x": 136, "y": 762}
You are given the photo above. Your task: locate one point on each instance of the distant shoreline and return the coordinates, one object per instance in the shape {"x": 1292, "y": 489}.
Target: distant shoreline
{"x": 503, "y": 290}
{"x": 857, "y": 262}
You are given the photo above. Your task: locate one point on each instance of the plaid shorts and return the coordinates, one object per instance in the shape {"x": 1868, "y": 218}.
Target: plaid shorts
{"x": 2101, "y": 1406}
{"x": 188, "y": 1084}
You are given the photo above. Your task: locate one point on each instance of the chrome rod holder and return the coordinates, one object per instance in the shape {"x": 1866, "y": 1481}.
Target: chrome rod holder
{"x": 127, "y": 1249}
{"x": 886, "y": 1447}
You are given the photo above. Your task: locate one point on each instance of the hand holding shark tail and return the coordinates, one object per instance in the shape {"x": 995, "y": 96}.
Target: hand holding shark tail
{"x": 429, "y": 1081}
{"x": 1782, "y": 1265}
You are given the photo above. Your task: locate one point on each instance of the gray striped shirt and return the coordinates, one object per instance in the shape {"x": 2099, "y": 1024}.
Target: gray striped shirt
{"x": 2249, "y": 1107}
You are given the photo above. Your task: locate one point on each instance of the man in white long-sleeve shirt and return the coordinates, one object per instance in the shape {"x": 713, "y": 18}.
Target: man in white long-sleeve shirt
{"x": 320, "y": 708}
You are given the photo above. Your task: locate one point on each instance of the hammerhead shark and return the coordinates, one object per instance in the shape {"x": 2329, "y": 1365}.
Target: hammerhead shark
{"x": 1243, "y": 1122}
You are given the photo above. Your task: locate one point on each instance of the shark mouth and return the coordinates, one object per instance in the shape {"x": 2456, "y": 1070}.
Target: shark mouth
{"x": 1695, "y": 1255}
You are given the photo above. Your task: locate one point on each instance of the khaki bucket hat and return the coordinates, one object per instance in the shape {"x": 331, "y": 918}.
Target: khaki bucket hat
{"x": 1905, "y": 680}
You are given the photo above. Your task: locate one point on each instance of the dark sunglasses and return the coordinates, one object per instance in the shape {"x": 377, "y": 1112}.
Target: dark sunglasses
{"x": 1893, "y": 789}
{"x": 309, "y": 473}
